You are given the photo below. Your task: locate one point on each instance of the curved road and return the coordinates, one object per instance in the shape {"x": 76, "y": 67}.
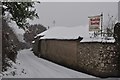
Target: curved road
{"x": 34, "y": 67}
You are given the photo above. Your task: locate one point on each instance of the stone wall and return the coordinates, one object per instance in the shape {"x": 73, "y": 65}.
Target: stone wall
{"x": 99, "y": 59}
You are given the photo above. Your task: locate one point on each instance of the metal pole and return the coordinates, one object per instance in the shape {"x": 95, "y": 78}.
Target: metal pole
{"x": 101, "y": 23}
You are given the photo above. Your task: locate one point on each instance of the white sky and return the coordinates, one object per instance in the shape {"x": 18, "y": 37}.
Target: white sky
{"x": 73, "y": 13}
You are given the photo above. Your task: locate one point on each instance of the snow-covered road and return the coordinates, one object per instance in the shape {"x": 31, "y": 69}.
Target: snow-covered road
{"x": 30, "y": 66}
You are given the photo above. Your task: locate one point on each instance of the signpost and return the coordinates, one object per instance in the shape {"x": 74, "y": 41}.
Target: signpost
{"x": 101, "y": 23}
{"x": 95, "y": 23}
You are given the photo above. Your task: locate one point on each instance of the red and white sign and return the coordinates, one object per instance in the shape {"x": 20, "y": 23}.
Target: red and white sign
{"x": 94, "y": 23}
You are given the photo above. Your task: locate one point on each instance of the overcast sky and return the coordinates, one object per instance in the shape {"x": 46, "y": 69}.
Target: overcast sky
{"x": 73, "y": 13}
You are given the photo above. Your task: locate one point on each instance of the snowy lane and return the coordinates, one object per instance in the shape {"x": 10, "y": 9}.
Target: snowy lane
{"x": 35, "y": 67}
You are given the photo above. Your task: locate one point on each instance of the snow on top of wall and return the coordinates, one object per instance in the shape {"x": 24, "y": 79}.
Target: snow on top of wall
{"x": 99, "y": 39}
{"x": 73, "y": 33}
{"x": 65, "y": 33}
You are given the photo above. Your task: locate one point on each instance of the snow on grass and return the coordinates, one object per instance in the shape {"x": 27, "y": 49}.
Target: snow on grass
{"x": 30, "y": 66}
{"x": 14, "y": 70}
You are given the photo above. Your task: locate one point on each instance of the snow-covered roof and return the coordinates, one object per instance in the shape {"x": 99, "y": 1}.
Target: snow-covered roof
{"x": 64, "y": 33}
{"x": 72, "y": 33}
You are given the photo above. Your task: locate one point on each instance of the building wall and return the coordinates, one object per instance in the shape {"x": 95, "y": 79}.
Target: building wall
{"x": 0, "y": 50}
{"x": 60, "y": 51}
{"x": 99, "y": 59}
